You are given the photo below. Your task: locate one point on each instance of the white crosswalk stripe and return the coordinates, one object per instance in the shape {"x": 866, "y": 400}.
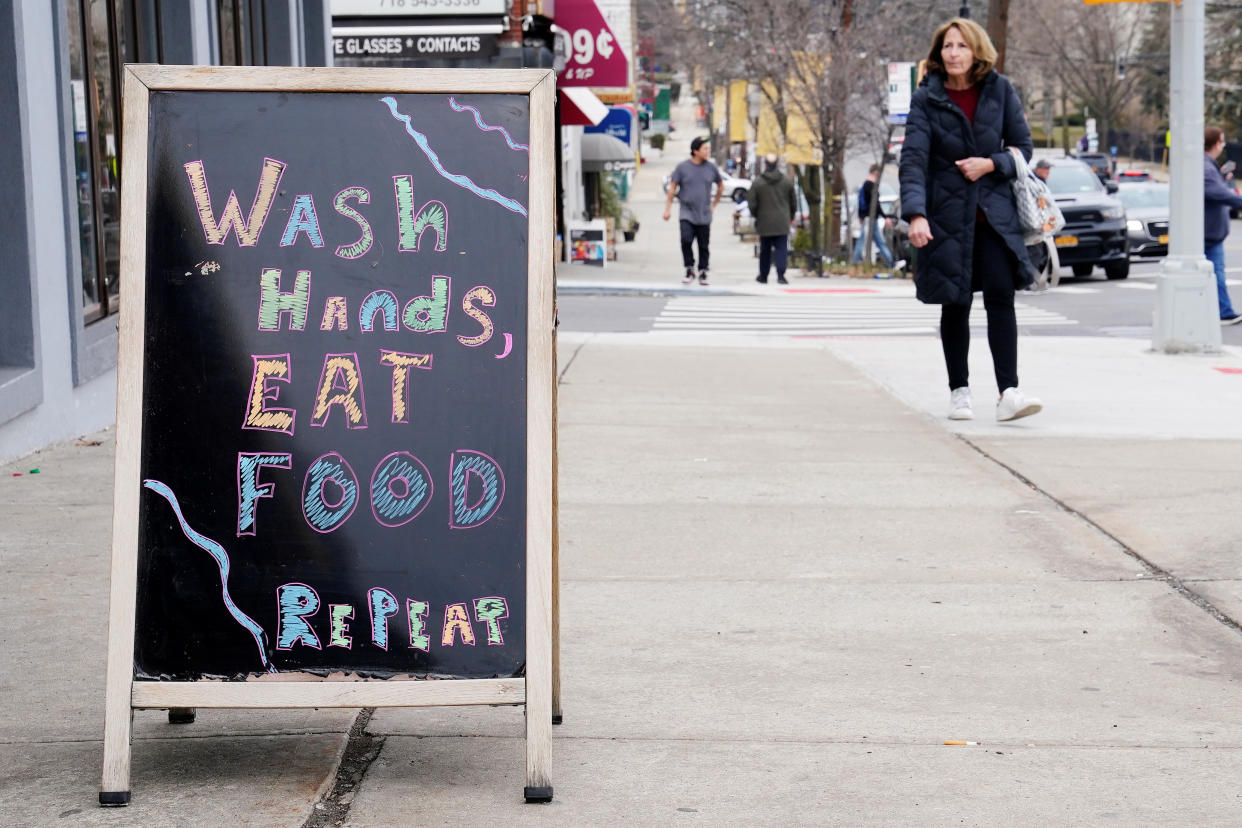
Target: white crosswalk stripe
{"x": 825, "y": 315}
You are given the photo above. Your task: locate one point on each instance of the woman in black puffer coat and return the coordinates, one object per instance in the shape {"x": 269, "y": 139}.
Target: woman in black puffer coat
{"x": 956, "y": 176}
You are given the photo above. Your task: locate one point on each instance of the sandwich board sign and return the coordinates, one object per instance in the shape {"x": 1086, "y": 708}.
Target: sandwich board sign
{"x": 334, "y": 475}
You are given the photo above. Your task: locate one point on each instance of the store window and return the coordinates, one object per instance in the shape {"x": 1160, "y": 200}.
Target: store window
{"x": 95, "y": 60}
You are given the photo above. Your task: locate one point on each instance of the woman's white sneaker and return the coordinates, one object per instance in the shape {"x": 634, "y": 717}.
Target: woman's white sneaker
{"x": 1014, "y": 405}
{"x": 959, "y": 404}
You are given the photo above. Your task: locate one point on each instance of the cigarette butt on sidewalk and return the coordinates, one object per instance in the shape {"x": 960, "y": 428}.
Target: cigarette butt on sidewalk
{"x": 959, "y": 744}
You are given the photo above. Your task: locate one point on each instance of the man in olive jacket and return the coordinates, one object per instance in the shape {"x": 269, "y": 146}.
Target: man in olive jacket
{"x": 772, "y": 204}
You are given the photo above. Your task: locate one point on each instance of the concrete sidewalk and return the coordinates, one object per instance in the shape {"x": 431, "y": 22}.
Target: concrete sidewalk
{"x": 783, "y": 589}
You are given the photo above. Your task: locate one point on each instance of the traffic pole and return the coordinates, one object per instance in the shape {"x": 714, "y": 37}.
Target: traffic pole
{"x": 1186, "y": 318}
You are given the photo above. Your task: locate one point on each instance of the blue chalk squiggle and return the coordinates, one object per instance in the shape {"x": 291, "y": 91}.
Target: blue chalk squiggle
{"x": 222, "y": 560}
{"x": 460, "y": 180}
{"x": 478, "y": 120}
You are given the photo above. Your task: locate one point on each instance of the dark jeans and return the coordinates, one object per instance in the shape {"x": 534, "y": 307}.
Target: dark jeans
{"x": 690, "y": 232}
{"x": 773, "y": 250}
{"x": 993, "y": 270}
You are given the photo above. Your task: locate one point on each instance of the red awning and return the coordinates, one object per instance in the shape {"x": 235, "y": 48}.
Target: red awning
{"x": 580, "y": 107}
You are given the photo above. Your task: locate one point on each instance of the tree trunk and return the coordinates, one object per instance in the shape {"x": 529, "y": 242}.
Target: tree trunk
{"x": 998, "y": 28}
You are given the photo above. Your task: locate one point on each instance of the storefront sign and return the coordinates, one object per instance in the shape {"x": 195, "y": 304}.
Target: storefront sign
{"x": 598, "y": 54}
{"x": 416, "y": 47}
{"x": 415, "y": 8}
{"x": 619, "y": 123}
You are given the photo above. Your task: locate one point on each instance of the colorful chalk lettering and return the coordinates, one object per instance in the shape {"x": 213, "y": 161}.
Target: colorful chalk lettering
{"x": 456, "y": 623}
{"x": 486, "y": 297}
{"x": 335, "y": 314}
{"x": 416, "y": 613}
{"x": 464, "y": 466}
{"x": 303, "y": 219}
{"x": 383, "y": 605}
{"x": 400, "y": 489}
{"x": 490, "y": 611}
{"x": 323, "y": 514}
{"x": 338, "y": 634}
{"x": 378, "y": 301}
{"x": 247, "y": 230}
{"x": 401, "y": 364}
{"x": 340, "y": 384}
{"x": 268, "y": 369}
{"x": 359, "y": 248}
{"x": 429, "y": 314}
{"x": 295, "y": 603}
{"x": 249, "y": 490}
{"x": 274, "y": 303}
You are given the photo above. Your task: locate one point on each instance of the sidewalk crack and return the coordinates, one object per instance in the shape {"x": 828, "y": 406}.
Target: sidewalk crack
{"x": 1156, "y": 572}
{"x": 361, "y": 750}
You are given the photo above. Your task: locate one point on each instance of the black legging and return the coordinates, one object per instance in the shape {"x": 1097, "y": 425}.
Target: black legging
{"x": 994, "y": 271}
{"x": 690, "y": 233}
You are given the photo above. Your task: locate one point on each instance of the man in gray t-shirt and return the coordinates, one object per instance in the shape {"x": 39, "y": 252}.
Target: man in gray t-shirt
{"x": 692, "y": 182}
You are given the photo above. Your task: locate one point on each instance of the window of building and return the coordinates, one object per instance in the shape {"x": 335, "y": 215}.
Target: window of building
{"x": 95, "y": 59}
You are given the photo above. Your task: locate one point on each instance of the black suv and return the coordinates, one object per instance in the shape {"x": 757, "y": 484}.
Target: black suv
{"x": 1095, "y": 221}
{"x": 1099, "y": 163}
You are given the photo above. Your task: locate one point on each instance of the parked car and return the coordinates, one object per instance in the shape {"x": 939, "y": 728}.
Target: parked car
{"x": 1132, "y": 176}
{"x": 1147, "y": 218}
{"x": 1099, "y": 163}
{"x": 734, "y": 188}
{"x": 1095, "y": 221}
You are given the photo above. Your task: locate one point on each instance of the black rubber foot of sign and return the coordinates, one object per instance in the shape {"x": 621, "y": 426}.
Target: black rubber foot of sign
{"x": 533, "y": 794}
{"x": 557, "y": 718}
{"x": 181, "y": 715}
{"x": 119, "y": 799}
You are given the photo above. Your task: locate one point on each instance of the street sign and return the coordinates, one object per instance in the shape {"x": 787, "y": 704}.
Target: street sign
{"x": 900, "y": 88}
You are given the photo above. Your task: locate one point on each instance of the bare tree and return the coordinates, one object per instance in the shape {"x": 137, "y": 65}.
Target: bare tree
{"x": 1083, "y": 45}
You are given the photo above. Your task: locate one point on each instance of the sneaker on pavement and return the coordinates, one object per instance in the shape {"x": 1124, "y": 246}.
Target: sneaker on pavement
{"x": 1014, "y": 404}
{"x": 900, "y": 264}
{"x": 1231, "y": 320}
{"x": 761, "y": 280}
{"x": 781, "y": 280}
{"x": 959, "y": 404}
{"x": 689, "y": 278}
{"x": 703, "y": 278}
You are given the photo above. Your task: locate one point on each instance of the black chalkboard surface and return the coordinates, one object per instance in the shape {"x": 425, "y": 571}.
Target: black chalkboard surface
{"x": 334, "y": 405}
{"x": 334, "y": 474}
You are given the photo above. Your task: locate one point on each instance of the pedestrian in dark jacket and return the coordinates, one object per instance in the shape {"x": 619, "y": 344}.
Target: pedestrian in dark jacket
{"x": 956, "y": 194}
{"x": 772, "y": 204}
{"x": 1217, "y": 199}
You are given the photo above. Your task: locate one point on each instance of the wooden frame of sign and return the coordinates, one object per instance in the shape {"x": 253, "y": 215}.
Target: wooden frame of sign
{"x": 532, "y": 683}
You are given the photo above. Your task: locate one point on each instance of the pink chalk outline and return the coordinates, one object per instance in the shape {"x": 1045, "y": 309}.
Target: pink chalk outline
{"x": 396, "y": 607}
{"x": 306, "y": 482}
{"x": 224, "y": 233}
{"x": 458, "y": 622}
{"x": 344, "y": 627}
{"x": 395, "y": 368}
{"x": 500, "y": 498}
{"x": 262, "y": 490}
{"x": 338, "y": 204}
{"x": 467, "y": 306}
{"x": 499, "y": 634}
{"x": 426, "y": 498}
{"x": 280, "y": 276}
{"x": 448, "y": 300}
{"x": 410, "y": 603}
{"x": 280, "y": 617}
{"x": 270, "y": 393}
{"x": 339, "y": 381}
{"x": 391, "y": 322}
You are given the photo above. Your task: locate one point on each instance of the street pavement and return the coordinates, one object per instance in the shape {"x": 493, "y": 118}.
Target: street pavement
{"x": 787, "y": 585}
